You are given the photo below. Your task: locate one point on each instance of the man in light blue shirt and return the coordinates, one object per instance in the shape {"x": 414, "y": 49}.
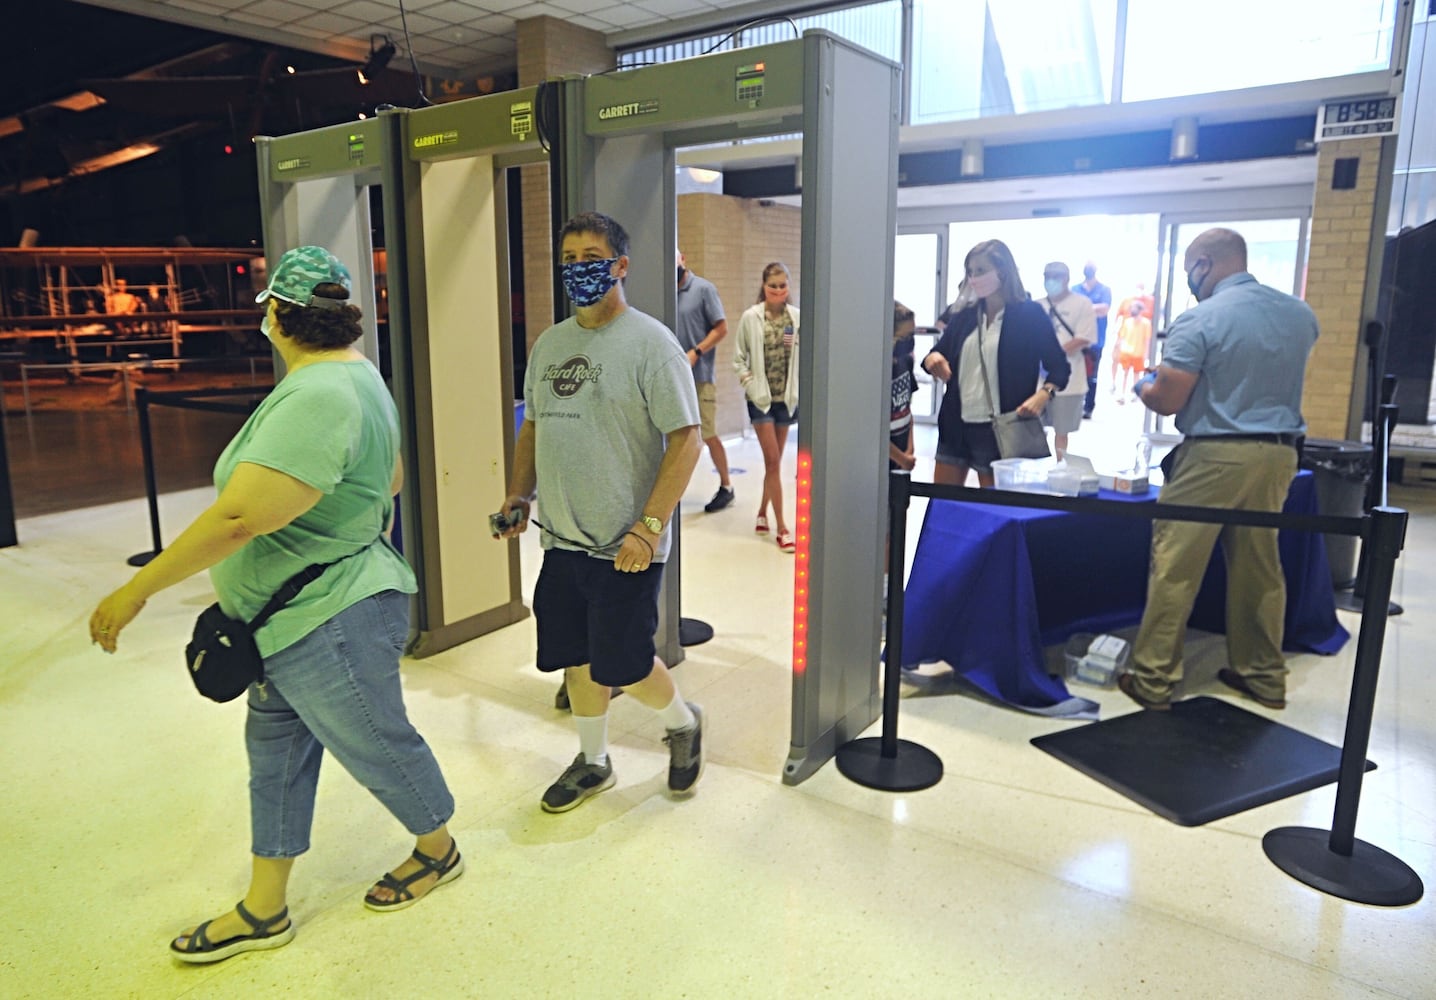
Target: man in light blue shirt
{"x": 1232, "y": 372}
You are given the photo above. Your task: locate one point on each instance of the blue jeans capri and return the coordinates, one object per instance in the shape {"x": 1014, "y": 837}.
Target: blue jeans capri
{"x": 337, "y": 689}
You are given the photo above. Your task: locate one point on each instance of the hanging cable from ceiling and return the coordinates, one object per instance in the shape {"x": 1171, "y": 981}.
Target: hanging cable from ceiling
{"x": 424, "y": 101}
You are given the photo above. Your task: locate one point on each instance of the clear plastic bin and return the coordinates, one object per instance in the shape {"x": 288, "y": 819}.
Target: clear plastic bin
{"x": 1096, "y": 659}
{"x": 1021, "y": 473}
{"x": 1066, "y": 482}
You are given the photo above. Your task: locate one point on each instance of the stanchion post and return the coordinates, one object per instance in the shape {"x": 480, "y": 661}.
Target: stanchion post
{"x": 8, "y": 537}
{"x": 1335, "y": 862}
{"x": 888, "y": 763}
{"x": 1388, "y": 534}
{"x": 899, "y": 500}
{"x": 147, "y": 449}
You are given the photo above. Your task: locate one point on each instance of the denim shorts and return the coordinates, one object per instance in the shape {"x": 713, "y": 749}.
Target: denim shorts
{"x": 975, "y": 447}
{"x": 588, "y": 612}
{"x": 777, "y": 414}
{"x": 337, "y": 689}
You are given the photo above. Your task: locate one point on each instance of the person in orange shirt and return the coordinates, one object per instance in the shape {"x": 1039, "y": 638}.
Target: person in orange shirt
{"x": 1134, "y": 335}
{"x": 1124, "y": 310}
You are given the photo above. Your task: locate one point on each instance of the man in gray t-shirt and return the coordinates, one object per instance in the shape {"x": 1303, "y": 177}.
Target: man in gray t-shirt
{"x": 609, "y": 441}
{"x": 602, "y": 402}
{"x": 700, "y": 325}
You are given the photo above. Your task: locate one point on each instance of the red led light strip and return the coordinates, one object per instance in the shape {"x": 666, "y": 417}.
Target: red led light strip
{"x": 800, "y": 571}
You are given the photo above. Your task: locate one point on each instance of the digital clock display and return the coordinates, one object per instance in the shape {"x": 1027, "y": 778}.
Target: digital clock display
{"x": 1362, "y": 116}
{"x": 1341, "y": 112}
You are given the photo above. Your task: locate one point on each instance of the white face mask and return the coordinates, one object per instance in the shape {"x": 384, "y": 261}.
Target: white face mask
{"x": 266, "y": 325}
{"x": 983, "y": 285}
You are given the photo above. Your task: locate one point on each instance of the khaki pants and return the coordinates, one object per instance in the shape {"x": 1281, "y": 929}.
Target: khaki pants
{"x": 1239, "y": 475}
{"x": 707, "y": 410}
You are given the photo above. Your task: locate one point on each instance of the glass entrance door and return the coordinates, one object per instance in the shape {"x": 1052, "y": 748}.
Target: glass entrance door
{"x": 1276, "y": 256}
{"x": 919, "y": 282}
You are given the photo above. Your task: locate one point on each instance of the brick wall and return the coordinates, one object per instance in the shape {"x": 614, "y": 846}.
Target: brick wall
{"x": 1341, "y": 227}
{"x": 729, "y": 241}
{"x": 548, "y": 48}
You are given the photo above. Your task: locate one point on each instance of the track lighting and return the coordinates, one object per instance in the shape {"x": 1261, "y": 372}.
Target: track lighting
{"x": 379, "y": 56}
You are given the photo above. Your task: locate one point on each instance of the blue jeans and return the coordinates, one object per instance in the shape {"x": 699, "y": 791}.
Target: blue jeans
{"x": 337, "y": 689}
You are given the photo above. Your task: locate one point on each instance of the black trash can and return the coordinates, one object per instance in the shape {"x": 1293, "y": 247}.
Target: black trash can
{"x": 1342, "y": 469}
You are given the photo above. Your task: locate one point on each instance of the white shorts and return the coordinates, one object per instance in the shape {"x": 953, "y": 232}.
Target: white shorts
{"x": 1063, "y": 414}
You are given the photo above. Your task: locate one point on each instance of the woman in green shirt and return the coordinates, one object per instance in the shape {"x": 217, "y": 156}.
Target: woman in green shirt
{"x": 310, "y": 479}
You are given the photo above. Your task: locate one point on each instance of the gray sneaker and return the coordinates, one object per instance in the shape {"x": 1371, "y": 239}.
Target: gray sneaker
{"x": 576, "y": 784}
{"x": 685, "y": 754}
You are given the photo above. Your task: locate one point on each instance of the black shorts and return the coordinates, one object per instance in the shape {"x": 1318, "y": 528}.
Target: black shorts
{"x": 975, "y": 447}
{"x": 588, "y": 612}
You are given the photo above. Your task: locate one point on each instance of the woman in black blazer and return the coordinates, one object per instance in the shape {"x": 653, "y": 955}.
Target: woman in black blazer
{"x": 1020, "y": 351}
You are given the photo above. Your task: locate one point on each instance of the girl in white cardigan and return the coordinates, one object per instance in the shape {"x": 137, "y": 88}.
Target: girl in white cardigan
{"x": 766, "y": 359}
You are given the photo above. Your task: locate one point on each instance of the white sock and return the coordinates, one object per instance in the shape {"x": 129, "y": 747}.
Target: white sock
{"x": 593, "y": 737}
{"x": 677, "y": 715}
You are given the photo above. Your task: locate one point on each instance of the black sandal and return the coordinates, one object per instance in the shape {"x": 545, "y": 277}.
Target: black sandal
{"x": 448, "y": 869}
{"x": 199, "y": 949}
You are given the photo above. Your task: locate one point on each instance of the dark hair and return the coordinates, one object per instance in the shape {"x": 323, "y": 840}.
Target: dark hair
{"x": 772, "y": 269}
{"x": 996, "y": 251}
{"x": 600, "y": 225}
{"x": 901, "y": 314}
{"x": 320, "y": 328}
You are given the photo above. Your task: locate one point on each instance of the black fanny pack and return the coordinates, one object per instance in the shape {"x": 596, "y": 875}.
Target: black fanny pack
{"x": 222, "y": 655}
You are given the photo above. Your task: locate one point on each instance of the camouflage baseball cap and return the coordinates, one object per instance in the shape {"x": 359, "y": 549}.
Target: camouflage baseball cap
{"x": 300, "y": 270}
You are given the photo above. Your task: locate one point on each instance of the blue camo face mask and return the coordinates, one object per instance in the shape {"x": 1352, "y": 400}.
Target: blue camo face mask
{"x": 588, "y": 281}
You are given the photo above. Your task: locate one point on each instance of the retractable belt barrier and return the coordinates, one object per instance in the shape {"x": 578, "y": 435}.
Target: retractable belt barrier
{"x": 192, "y": 399}
{"x": 1334, "y": 861}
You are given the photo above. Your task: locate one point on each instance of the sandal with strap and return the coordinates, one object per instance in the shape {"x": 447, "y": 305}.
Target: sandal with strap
{"x": 450, "y": 867}
{"x": 199, "y": 949}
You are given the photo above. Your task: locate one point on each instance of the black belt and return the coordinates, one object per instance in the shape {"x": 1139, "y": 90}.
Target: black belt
{"x": 1290, "y": 440}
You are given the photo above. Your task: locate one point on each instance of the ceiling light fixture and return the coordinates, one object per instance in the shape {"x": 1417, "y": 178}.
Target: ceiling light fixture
{"x": 379, "y": 56}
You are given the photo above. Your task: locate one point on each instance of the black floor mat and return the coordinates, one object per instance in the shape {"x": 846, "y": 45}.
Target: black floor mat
{"x": 1203, "y": 760}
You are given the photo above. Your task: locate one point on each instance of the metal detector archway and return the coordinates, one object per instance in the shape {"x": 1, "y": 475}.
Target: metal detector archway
{"x": 314, "y": 189}
{"x": 446, "y": 252}
{"x": 449, "y": 268}
{"x": 620, "y": 132}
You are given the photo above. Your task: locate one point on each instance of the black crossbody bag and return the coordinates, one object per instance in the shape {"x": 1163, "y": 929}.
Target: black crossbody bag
{"x": 222, "y": 655}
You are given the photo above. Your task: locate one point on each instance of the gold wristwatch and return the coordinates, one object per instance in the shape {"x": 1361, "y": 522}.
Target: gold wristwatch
{"x": 652, "y": 524}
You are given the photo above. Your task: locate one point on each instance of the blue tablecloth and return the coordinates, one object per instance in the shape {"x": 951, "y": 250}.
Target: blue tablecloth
{"x": 990, "y": 586}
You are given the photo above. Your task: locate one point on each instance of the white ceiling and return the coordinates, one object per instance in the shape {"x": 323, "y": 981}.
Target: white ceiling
{"x": 455, "y": 38}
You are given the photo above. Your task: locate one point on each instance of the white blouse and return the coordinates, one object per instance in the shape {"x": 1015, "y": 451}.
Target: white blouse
{"x": 975, "y": 408}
